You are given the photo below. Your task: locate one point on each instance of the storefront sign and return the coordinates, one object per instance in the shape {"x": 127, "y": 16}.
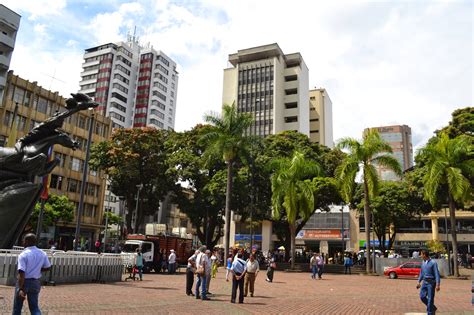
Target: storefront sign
{"x": 321, "y": 234}
{"x": 372, "y": 243}
{"x": 246, "y": 237}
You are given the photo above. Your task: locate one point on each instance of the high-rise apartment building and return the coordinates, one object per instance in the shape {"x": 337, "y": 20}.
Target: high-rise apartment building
{"x": 34, "y": 105}
{"x": 9, "y": 24}
{"x": 270, "y": 85}
{"x": 135, "y": 86}
{"x": 320, "y": 117}
{"x": 399, "y": 138}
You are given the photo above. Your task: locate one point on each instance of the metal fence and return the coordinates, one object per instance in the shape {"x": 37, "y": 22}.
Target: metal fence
{"x": 67, "y": 267}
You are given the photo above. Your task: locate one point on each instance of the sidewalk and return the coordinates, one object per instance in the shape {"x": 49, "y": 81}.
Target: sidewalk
{"x": 290, "y": 293}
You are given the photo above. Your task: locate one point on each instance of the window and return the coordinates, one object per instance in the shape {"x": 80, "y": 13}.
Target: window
{"x": 56, "y": 182}
{"x": 291, "y": 91}
{"x": 156, "y": 103}
{"x": 123, "y": 69}
{"x": 158, "y": 113}
{"x": 73, "y": 185}
{"x": 141, "y": 110}
{"x": 121, "y": 78}
{"x": 139, "y": 120}
{"x": 162, "y": 69}
{"x": 18, "y": 95}
{"x": 289, "y": 78}
{"x": 160, "y": 86}
{"x": 81, "y": 122}
{"x": 120, "y": 87}
{"x": 61, "y": 157}
{"x": 312, "y": 109}
{"x": 314, "y": 131}
{"x": 7, "y": 119}
{"x": 291, "y": 119}
{"x": 42, "y": 105}
{"x": 119, "y": 97}
{"x": 312, "y": 98}
{"x": 161, "y": 96}
{"x": 314, "y": 119}
{"x": 291, "y": 105}
{"x": 125, "y": 61}
{"x": 163, "y": 60}
{"x": 76, "y": 164}
{"x": 20, "y": 123}
{"x": 161, "y": 77}
{"x": 118, "y": 106}
{"x": 157, "y": 123}
{"x": 117, "y": 116}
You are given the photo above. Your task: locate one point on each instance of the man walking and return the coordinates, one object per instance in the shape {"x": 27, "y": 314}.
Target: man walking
{"x": 313, "y": 265}
{"x": 208, "y": 271}
{"x": 320, "y": 263}
{"x": 429, "y": 275}
{"x": 238, "y": 270}
{"x": 201, "y": 274}
{"x": 190, "y": 269}
{"x": 31, "y": 262}
{"x": 252, "y": 271}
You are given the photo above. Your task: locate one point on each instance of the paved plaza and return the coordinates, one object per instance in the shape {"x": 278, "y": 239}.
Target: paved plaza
{"x": 290, "y": 293}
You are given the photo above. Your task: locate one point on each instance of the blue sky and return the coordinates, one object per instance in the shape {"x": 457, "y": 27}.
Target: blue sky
{"x": 382, "y": 62}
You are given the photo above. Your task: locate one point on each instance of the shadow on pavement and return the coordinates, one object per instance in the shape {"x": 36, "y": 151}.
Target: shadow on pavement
{"x": 158, "y": 288}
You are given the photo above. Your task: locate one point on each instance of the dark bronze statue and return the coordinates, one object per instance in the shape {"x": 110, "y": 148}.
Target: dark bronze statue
{"x": 20, "y": 165}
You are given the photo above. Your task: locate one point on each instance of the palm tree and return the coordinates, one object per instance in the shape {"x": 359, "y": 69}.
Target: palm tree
{"x": 449, "y": 164}
{"x": 227, "y": 139}
{"x": 293, "y": 191}
{"x": 364, "y": 156}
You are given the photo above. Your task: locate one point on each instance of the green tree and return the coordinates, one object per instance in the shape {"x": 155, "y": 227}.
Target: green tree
{"x": 112, "y": 218}
{"x": 293, "y": 191}
{"x": 227, "y": 140}
{"x": 393, "y": 206}
{"x": 449, "y": 163}
{"x": 56, "y": 209}
{"x": 363, "y": 156}
{"x": 462, "y": 123}
{"x": 133, "y": 157}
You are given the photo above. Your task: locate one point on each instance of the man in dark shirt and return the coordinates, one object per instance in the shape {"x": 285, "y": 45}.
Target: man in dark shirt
{"x": 429, "y": 281}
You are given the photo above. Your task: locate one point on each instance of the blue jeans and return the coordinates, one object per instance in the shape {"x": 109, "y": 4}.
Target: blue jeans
{"x": 32, "y": 288}
{"x": 314, "y": 271}
{"x": 427, "y": 294}
{"x": 140, "y": 272}
{"x": 201, "y": 280}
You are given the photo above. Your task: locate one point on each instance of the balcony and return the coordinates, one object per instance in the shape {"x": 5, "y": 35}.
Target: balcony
{"x": 7, "y": 41}
{"x": 4, "y": 62}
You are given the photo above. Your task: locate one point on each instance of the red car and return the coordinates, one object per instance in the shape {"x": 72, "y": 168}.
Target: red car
{"x": 408, "y": 269}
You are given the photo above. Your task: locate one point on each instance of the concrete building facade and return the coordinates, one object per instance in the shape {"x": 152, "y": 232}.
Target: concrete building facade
{"x": 320, "y": 117}
{"x": 399, "y": 138}
{"x": 9, "y": 24}
{"x": 270, "y": 85}
{"x": 34, "y": 105}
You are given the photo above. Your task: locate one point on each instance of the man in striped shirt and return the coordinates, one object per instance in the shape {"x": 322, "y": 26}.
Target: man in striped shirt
{"x": 238, "y": 270}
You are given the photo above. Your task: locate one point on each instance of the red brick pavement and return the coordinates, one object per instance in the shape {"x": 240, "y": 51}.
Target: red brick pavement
{"x": 290, "y": 293}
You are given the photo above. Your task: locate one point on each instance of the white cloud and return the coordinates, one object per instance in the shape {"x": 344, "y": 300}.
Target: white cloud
{"x": 36, "y": 8}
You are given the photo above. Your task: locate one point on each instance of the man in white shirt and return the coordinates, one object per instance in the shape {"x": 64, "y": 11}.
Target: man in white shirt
{"x": 191, "y": 268}
{"x": 252, "y": 271}
{"x": 31, "y": 262}
{"x": 208, "y": 270}
{"x": 238, "y": 270}
{"x": 172, "y": 262}
{"x": 201, "y": 274}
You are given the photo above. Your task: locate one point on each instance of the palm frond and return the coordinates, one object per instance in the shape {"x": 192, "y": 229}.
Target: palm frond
{"x": 389, "y": 162}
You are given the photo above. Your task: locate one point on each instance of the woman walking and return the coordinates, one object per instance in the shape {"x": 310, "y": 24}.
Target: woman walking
{"x": 271, "y": 267}
{"x": 229, "y": 264}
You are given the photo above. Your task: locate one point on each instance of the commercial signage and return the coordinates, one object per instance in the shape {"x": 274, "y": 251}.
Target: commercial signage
{"x": 321, "y": 234}
{"x": 372, "y": 243}
{"x": 246, "y": 237}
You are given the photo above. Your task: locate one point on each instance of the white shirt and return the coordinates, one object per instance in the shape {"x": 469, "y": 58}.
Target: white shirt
{"x": 192, "y": 258}
{"x": 200, "y": 260}
{"x": 252, "y": 267}
{"x": 172, "y": 258}
{"x": 31, "y": 261}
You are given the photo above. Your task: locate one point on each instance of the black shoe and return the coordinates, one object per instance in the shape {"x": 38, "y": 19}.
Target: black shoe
{"x": 241, "y": 302}
{"x": 232, "y": 301}
{"x": 207, "y": 293}
{"x": 251, "y": 294}
{"x": 206, "y": 299}
{"x": 198, "y": 297}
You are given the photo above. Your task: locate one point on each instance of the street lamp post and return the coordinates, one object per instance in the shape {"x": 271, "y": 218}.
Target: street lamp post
{"x": 83, "y": 183}
{"x": 136, "y": 208}
{"x": 107, "y": 213}
{"x": 447, "y": 240}
{"x": 342, "y": 228}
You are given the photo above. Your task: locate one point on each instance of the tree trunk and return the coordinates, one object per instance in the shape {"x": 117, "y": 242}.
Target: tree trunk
{"x": 368, "y": 263}
{"x": 293, "y": 249}
{"x": 228, "y": 195}
{"x": 452, "y": 216}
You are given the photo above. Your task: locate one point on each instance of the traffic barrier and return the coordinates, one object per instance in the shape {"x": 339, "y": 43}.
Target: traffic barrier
{"x": 67, "y": 267}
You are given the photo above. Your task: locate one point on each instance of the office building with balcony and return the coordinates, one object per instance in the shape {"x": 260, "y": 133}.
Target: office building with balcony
{"x": 9, "y": 24}
{"x": 34, "y": 105}
{"x": 270, "y": 85}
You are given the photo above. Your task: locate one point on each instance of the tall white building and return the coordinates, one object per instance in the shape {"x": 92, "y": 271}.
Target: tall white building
{"x": 9, "y": 24}
{"x": 135, "y": 86}
{"x": 271, "y": 85}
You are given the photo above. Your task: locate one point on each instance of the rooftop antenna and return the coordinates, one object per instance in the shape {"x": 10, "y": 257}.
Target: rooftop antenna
{"x": 134, "y": 33}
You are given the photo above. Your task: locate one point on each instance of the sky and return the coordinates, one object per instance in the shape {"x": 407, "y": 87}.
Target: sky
{"x": 382, "y": 62}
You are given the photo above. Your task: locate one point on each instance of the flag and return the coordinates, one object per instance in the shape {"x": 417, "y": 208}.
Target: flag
{"x": 46, "y": 178}
{"x": 13, "y": 129}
